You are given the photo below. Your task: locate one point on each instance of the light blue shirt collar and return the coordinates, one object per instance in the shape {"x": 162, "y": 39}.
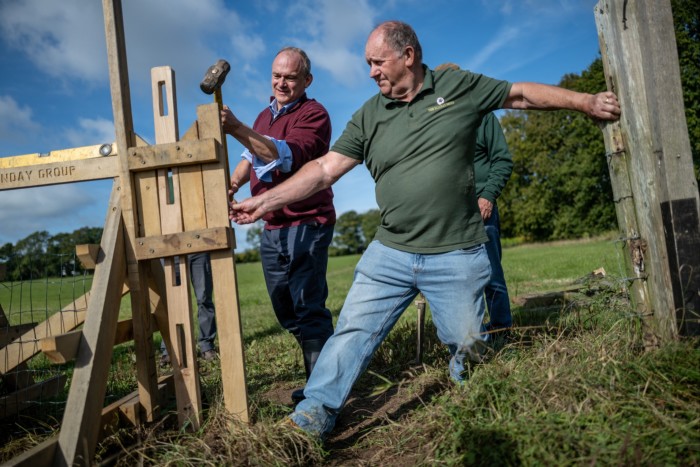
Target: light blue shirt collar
{"x": 276, "y": 113}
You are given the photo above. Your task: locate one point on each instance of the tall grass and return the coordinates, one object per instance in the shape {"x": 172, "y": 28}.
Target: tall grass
{"x": 572, "y": 386}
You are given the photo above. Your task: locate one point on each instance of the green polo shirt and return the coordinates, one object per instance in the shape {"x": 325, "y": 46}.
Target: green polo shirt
{"x": 420, "y": 155}
{"x": 493, "y": 163}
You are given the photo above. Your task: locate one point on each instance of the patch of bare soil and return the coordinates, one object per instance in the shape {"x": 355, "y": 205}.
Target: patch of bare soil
{"x": 357, "y": 437}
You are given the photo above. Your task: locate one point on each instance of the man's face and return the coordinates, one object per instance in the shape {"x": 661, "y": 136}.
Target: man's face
{"x": 386, "y": 66}
{"x": 288, "y": 82}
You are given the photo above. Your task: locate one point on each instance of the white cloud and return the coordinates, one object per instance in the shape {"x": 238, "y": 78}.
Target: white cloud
{"x": 502, "y": 39}
{"x": 60, "y": 38}
{"x": 333, "y": 34}
{"x": 91, "y": 131}
{"x": 28, "y": 210}
{"x": 16, "y": 122}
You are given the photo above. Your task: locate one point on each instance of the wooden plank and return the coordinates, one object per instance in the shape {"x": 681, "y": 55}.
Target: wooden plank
{"x": 64, "y": 347}
{"x": 25, "y": 347}
{"x": 124, "y": 410}
{"x": 194, "y": 214}
{"x": 59, "y": 172}
{"x": 185, "y": 243}
{"x": 61, "y": 348}
{"x": 181, "y": 153}
{"x": 22, "y": 399}
{"x": 228, "y": 313}
{"x": 181, "y": 326}
{"x": 62, "y": 155}
{"x": 146, "y": 371}
{"x": 87, "y": 254}
{"x": 21, "y": 377}
{"x": 41, "y": 454}
{"x": 80, "y": 426}
{"x": 9, "y": 333}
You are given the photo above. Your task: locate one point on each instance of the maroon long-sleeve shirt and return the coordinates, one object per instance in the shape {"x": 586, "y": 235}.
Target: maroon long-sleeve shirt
{"x": 306, "y": 128}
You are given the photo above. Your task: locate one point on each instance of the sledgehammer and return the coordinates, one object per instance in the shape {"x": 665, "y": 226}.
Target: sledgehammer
{"x": 214, "y": 79}
{"x": 211, "y": 84}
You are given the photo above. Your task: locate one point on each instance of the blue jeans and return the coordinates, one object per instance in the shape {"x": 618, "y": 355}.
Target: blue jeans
{"x": 496, "y": 291}
{"x": 386, "y": 281}
{"x": 295, "y": 260}
{"x": 201, "y": 278}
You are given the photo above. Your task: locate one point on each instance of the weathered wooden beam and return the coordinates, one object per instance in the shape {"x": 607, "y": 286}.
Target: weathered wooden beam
{"x": 165, "y": 155}
{"x": 663, "y": 241}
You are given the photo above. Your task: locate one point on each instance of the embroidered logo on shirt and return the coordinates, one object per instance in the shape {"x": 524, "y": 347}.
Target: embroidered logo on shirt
{"x": 440, "y": 101}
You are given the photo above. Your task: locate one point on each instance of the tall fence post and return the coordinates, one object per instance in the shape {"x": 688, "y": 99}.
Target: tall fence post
{"x": 651, "y": 165}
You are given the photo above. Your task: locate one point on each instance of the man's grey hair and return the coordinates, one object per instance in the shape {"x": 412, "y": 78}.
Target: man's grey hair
{"x": 399, "y": 35}
{"x": 305, "y": 62}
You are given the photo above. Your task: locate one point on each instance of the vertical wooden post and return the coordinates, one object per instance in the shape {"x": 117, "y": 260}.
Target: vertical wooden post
{"x": 146, "y": 373}
{"x": 659, "y": 210}
{"x": 183, "y": 355}
{"x": 228, "y": 318}
{"x": 81, "y": 419}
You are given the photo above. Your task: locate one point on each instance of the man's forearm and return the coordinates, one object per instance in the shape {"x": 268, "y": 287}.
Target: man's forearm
{"x": 257, "y": 144}
{"x": 240, "y": 175}
{"x": 310, "y": 179}
{"x": 535, "y": 96}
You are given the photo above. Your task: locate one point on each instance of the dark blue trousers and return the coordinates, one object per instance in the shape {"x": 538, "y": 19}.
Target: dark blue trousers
{"x": 295, "y": 260}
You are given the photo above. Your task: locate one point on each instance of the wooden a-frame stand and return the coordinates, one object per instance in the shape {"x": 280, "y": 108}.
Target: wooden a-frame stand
{"x": 169, "y": 200}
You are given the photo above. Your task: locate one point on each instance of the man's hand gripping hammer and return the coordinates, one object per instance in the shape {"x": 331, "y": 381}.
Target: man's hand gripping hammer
{"x": 211, "y": 84}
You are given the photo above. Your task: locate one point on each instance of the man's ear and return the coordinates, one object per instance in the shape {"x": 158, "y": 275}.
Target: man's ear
{"x": 309, "y": 80}
{"x": 410, "y": 55}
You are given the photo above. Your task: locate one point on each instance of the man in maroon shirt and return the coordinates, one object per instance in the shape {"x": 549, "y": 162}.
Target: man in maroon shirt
{"x": 287, "y": 134}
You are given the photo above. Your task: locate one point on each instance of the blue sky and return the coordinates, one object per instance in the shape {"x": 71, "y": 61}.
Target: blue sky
{"x": 54, "y": 85}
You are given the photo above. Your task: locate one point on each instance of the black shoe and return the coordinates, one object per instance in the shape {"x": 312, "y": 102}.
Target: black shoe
{"x": 164, "y": 360}
{"x": 298, "y": 395}
{"x": 210, "y": 355}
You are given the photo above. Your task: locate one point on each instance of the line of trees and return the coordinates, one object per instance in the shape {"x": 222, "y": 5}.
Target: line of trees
{"x": 560, "y": 187}
{"x": 42, "y": 255}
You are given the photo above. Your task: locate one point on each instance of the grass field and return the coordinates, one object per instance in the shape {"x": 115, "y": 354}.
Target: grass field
{"x": 573, "y": 386}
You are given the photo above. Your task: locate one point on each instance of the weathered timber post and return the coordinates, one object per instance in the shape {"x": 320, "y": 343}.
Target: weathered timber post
{"x": 651, "y": 167}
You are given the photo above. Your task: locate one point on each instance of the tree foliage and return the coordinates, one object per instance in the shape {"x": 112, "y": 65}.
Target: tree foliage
{"x": 43, "y": 255}
{"x": 686, "y": 18}
{"x": 560, "y": 187}
{"x": 354, "y": 232}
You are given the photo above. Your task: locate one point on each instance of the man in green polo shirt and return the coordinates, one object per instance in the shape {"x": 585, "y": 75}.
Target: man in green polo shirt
{"x": 417, "y": 138}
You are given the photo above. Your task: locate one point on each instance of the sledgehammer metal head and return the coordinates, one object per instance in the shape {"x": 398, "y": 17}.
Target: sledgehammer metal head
{"x": 215, "y": 76}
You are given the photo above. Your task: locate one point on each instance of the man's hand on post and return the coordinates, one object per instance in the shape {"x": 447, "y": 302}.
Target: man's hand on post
{"x": 604, "y": 106}
{"x": 247, "y": 211}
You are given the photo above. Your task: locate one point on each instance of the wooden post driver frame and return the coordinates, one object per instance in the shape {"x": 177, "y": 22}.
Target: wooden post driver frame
{"x": 145, "y": 224}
